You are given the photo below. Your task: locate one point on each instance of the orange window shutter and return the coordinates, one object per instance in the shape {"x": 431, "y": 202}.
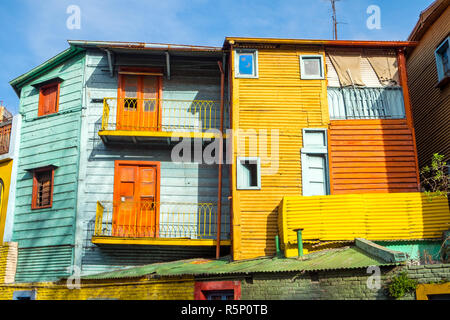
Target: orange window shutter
{"x": 42, "y": 193}
{"x": 48, "y": 99}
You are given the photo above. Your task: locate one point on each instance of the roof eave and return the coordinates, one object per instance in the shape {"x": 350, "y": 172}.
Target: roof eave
{"x": 20, "y": 81}
{"x": 141, "y": 45}
{"x": 341, "y": 43}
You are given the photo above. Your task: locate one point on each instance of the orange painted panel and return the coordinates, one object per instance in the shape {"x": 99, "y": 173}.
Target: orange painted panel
{"x": 372, "y": 156}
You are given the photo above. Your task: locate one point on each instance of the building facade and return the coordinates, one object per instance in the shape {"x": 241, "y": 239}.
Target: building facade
{"x": 428, "y": 69}
{"x": 126, "y": 160}
{"x": 326, "y": 125}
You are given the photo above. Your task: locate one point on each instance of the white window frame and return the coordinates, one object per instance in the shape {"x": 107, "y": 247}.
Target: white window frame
{"x": 439, "y": 64}
{"x": 315, "y": 150}
{"x": 239, "y": 168}
{"x": 302, "y": 67}
{"x": 237, "y": 52}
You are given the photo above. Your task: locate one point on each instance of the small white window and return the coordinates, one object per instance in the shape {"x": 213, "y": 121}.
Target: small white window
{"x": 315, "y": 179}
{"x": 442, "y": 59}
{"x": 248, "y": 173}
{"x": 311, "y": 67}
{"x": 246, "y": 63}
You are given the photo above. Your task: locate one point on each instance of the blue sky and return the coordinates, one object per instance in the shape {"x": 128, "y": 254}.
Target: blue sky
{"x": 34, "y": 31}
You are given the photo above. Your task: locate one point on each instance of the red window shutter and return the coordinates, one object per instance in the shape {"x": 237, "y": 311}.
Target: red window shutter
{"x": 48, "y": 99}
{"x": 42, "y": 193}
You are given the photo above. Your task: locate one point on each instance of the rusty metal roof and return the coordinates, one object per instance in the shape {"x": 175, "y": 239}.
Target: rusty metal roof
{"x": 332, "y": 259}
{"x": 142, "y": 46}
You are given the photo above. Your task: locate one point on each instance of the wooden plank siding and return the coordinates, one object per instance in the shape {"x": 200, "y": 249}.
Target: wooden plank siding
{"x": 430, "y": 105}
{"x": 180, "y": 182}
{"x": 369, "y": 156}
{"x": 277, "y": 100}
{"x": 49, "y": 140}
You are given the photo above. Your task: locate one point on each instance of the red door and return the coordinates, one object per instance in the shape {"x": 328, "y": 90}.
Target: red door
{"x": 138, "y": 106}
{"x": 136, "y": 200}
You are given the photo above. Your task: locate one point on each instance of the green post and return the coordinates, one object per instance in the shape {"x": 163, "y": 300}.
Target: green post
{"x": 277, "y": 245}
{"x": 299, "y": 241}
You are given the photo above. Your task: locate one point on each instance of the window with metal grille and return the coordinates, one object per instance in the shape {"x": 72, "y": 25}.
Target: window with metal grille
{"x": 43, "y": 188}
{"x": 219, "y": 295}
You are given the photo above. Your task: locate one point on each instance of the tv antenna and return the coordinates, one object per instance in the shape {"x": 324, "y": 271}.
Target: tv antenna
{"x": 335, "y": 23}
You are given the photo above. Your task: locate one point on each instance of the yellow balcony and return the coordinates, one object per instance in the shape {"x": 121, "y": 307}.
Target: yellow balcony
{"x": 377, "y": 216}
{"x": 153, "y": 223}
{"x": 130, "y": 119}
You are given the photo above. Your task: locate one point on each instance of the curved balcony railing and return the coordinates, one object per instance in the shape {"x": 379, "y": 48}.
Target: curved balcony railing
{"x": 147, "y": 219}
{"x": 132, "y": 114}
{"x": 365, "y": 103}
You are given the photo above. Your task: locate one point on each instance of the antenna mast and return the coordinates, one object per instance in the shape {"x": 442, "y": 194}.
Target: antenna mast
{"x": 333, "y": 7}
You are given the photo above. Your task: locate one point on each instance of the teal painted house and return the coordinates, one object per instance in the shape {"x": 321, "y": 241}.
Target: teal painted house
{"x": 48, "y": 160}
{"x": 99, "y": 185}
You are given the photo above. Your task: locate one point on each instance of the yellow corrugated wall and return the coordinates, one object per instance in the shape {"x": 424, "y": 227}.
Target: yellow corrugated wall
{"x": 161, "y": 289}
{"x": 389, "y": 216}
{"x": 278, "y": 100}
{"x": 5, "y": 175}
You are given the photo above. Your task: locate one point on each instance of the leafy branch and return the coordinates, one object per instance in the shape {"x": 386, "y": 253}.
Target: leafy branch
{"x": 435, "y": 178}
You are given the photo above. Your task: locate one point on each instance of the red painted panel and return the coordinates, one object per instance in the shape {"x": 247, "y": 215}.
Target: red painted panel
{"x": 202, "y": 287}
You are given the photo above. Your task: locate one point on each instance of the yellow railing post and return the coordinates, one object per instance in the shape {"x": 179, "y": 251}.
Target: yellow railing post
{"x": 99, "y": 219}
{"x": 105, "y": 118}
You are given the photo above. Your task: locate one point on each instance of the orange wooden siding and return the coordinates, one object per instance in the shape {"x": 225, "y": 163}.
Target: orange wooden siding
{"x": 430, "y": 104}
{"x": 368, "y": 156}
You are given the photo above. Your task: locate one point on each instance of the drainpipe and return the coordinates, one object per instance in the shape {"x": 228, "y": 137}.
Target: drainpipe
{"x": 219, "y": 196}
{"x": 230, "y": 146}
{"x": 299, "y": 241}
{"x": 168, "y": 65}
{"x": 110, "y": 64}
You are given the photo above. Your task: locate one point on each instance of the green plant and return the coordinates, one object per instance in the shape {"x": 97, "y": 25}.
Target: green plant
{"x": 400, "y": 285}
{"x": 435, "y": 179}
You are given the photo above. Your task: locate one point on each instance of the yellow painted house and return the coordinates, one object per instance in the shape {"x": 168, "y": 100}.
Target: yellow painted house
{"x": 9, "y": 133}
{"x": 318, "y": 127}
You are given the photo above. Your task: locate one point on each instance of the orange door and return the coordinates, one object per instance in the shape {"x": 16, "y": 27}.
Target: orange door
{"x": 127, "y": 105}
{"x": 136, "y": 203}
{"x": 139, "y": 103}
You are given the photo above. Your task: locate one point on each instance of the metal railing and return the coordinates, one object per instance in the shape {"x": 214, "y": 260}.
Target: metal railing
{"x": 366, "y": 103}
{"x": 148, "y": 219}
{"x": 160, "y": 114}
{"x": 5, "y": 135}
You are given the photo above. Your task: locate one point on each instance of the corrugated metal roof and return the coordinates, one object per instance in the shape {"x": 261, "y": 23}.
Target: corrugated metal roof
{"x": 142, "y": 45}
{"x": 333, "y": 259}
